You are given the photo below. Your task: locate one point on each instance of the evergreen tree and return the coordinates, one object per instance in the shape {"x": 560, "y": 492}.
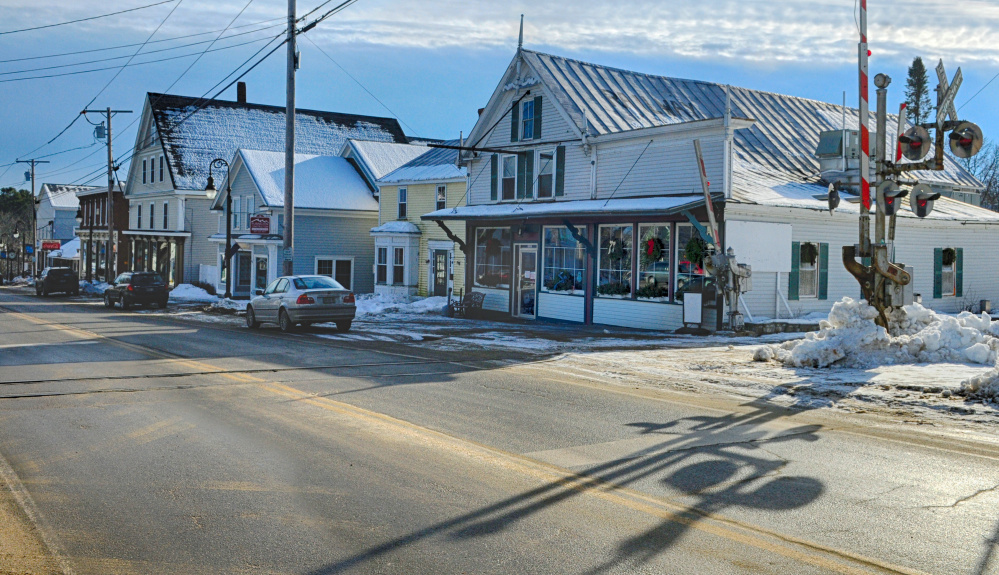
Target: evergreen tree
{"x": 917, "y": 93}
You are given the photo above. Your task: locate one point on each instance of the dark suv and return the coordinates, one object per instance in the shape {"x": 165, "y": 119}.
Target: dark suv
{"x": 141, "y": 288}
{"x": 57, "y": 280}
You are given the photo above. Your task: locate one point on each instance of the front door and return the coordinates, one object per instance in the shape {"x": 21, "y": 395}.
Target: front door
{"x": 525, "y": 287}
{"x": 440, "y": 272}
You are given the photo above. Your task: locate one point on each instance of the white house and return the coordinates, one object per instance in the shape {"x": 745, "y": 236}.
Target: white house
{"x": 56, "y": 213}
{"x": 585, "y": 201}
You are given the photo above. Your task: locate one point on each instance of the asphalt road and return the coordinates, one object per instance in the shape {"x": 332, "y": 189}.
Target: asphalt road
{"x": 136, "y": 443}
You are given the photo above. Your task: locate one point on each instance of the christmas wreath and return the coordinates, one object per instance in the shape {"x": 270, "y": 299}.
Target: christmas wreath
{"x": 695, "y": 251}
{"x": 948, "y": 256}
{"x": 809, "y": 253}
{"x": 652, "y": 249}
{"x": 616, "y": 251}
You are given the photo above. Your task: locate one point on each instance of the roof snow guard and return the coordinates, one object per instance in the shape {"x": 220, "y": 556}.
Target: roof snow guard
{"x": 193, "y": 137}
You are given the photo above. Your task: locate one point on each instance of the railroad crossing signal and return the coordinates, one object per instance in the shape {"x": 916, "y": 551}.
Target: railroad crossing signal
{"x": 921, "y": 200}
{"x": 966, "y": 140}
{"x": 915, "y": 143}
{"x": 889, "y": 197}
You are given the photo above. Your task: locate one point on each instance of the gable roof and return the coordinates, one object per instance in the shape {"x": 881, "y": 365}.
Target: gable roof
{"x": 602, "y": 100}
{"x": 64, "y": 195}
{"x": 193, "y": 137}
{"x": 376, "y": 159}
{"x": 435, "y": 164}
{"x": 321, "y": 182}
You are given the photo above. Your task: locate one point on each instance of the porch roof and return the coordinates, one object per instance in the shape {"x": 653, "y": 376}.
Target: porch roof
{"x": 657, "y": 206}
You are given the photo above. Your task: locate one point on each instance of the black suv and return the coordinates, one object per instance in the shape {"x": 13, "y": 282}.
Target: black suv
{"x": 57, "y": 280}
{"x": 141, "y": 288}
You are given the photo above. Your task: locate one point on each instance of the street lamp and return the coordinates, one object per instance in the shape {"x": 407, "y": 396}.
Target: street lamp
{"x": 3, "y": 248}
{"x": 20, "y": 256}
{"x": 211, "y": 193}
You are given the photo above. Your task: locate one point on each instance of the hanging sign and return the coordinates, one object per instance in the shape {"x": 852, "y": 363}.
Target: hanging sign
{"x": 49, "y": 245}
{"x": 260, "y": 225}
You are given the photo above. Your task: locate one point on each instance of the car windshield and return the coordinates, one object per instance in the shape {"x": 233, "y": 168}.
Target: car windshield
{"x": 147, "y": 280}
{"x": 316, "y": 282}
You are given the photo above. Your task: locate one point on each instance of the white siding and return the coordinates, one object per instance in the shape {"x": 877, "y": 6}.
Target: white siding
{"x": 666, "y": 167}
{"x": 638, "y": 314}
{"x": 496, "y": 299}
{"x": 561, "y": 307}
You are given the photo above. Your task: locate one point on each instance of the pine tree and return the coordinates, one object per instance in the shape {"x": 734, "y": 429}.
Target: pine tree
{"x": 917, "y": 93}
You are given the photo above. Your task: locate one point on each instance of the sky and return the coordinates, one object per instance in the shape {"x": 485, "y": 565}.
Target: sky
{"x": 433, "y": 64}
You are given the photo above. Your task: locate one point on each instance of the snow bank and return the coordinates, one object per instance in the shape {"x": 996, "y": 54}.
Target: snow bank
{"x": 375, "y": 304}
{"x": 228, "y": 306}
{"x": 918, "y": 335}
{"x": 93, "y": 288}
{"x": 188, "y": 293}
{"x": 22, "y": 281}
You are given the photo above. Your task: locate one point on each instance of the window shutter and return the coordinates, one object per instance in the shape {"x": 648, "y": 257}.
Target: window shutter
{"x": 793, "y": 277}
{"x": 529, "y": 180}
{"x": 937, "y": 273}
{"x": 521, "y": 174}
{"x": 515, "y": 121}
{"x": 537, "y": 118}
{"x": 560, "y": 170}
{"x": 959, "y": 272}
{"x": 492, "y": 182}
{"x": 823, "y": 271}
{"x": 143, "y": 171}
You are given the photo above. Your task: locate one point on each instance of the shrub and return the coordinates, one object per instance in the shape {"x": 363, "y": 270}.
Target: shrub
{"x": 205, "y": 286}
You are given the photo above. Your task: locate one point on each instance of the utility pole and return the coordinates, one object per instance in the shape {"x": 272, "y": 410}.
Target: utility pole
{"x": 110, "y": 256}
{"x": 34, "y": 215}
{"x": 288, "y": 241}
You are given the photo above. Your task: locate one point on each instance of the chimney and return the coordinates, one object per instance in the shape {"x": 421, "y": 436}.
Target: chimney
{"x": 241, "y": 92}
{"x": 481, "y": 110}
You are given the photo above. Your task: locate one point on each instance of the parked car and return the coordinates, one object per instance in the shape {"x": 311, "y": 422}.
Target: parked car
{"x": 142, "y": 288}
{"x": 55, "y": 280}
{"x": 292, "y": 300}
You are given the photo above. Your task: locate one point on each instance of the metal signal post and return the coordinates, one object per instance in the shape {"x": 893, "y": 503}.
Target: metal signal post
{"x": 111, "y": 254}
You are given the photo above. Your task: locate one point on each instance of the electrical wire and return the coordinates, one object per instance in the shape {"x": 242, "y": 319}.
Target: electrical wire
{"x": 89, "y": 18}
{"x": 978, "y": 92}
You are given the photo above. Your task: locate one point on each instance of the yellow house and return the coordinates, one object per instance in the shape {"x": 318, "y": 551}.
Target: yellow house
{"x": 414, "y": 257}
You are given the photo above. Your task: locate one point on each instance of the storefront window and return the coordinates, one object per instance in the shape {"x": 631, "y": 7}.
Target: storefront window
{"x": 564, "y": 266}
{"x": 653, "y": 262}
{"x": 493, "y": 257}
{"x": 614, "y": 267}
{"x": 691, "y": 250}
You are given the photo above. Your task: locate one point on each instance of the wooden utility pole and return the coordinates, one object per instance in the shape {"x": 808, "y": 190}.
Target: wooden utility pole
{"x": 34, "y": 215}
{"x": 288, "y": 239}
{"x": 110, "y": 255}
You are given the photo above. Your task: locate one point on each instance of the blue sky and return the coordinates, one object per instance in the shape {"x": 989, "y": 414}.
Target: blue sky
{"x": 434, "y": 63}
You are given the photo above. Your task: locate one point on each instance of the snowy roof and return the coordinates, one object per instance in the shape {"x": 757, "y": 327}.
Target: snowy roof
{"x": 435, "y": 164}
{"x": 64, "y": 195}
{"x": 193, "y": 137}
{"x": 380, "y": 158}
{"x": 662, "y": 205}
{"x": 783, "y": 138}
{"x": 396, "y": 227}
{"x": 321, "y": 182}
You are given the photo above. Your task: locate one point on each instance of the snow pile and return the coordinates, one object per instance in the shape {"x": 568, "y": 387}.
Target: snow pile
{"x": 23, "y": 281}
{"x": 93, "y": 288}
{"x": 375, "y": 304}
{"x": 188, "y": 293}
{"x": 918, "y": 335}
{"x": 227, "y": 306}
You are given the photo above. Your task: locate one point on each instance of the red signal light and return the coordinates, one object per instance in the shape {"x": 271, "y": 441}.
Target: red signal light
{"x": 922, "y": 203}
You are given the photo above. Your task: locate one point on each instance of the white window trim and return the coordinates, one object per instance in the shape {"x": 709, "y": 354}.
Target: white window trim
{"x": 814, "y": 268}
{"x": 600, "y": 257}
{"x": 143, "y": 171}
{"x": 387, "y": 265}
{"x": 166, "y": 215}
{"x": 437, "y": 199}
{"x": 537, "y": 175}
{"x": 499, "y": 176}
{"x": 392, "y": 265}
{"x": 152, "y": 215}
{"x": 236, "y": 205}
{"x": 403, "y": 190}
{"x": 523, "y": 119}
{"x": 138, "y": 216}
{"x": 335, "y": 259}
{"x": 951, "y": 290}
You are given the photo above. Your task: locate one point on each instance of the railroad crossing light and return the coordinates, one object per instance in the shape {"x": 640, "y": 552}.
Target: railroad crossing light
{"x": 966, "y": 140}
{"x": 915, "y": 143}
{"x": 889, "y": 197}
{"x": 921, "y": 200}
{"x": 833, "y": 198}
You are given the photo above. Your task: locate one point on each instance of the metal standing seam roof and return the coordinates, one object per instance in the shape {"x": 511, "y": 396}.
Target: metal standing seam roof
{"x": 782, "y": 140}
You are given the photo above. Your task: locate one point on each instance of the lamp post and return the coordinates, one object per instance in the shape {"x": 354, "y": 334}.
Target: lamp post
{"x": 79, "y": 224}
{"x": 211, "y": 192}
{"x": 20, "y": 257}
{"x": 3, "y": 248}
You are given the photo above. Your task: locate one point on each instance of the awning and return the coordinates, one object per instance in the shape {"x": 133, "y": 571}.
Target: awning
{"x": 657, "y": 206}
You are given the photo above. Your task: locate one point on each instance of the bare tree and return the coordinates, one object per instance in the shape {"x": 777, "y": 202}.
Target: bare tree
{"x": 985, "y": 167}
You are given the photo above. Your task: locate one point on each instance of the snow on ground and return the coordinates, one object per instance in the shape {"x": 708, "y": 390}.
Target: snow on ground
{"x": 93, "y": 288}
{"x": 188, "y": 293}
{"x": 22, "y": 281}
{"x": 375, "y": 304}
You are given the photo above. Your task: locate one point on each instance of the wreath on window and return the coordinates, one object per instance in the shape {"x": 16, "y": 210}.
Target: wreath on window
{"x": 696, "y": 250}
{"x": 616, "y": 251}
{"x": 809, "y": 253}
{"x": 948, "y": 256}
{"x": 652, "y": 248}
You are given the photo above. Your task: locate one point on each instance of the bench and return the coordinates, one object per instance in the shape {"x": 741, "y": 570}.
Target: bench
{"x": 469, "y": 305}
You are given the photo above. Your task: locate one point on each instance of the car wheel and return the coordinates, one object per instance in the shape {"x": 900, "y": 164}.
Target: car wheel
{"x": 284, "y": 322}
{"x": 343, "y": 326}
{"x": 108, "y": 302}
{"x": 251, "y": 318}
{"x": 124, "y": 303}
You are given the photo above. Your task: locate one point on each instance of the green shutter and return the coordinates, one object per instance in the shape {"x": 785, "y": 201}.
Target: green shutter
{"x": 529, "y": 180}
{"x": 521, "y": 174}
{"x": 823, "y": 271}
{"x": 793, "y": 277}
{"x": 937, "y": 273}
{"x": 537, "y": 118}
{"x": 493, "y": 182}
{"x": 560, "y": 170}
{"x": 959, "y": 272}
{"x": 515, "y": 121}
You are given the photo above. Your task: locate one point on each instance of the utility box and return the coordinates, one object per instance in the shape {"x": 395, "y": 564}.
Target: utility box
{"x": 899, "y": 295}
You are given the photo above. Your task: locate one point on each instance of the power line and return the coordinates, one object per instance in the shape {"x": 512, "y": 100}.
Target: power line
{"x": 90, "y": 18}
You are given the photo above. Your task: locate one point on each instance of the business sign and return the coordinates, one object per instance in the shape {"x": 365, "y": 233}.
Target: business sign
{"x": 3, "y": 255}
{"x": 29, "y": 249}
{"x": 260, "y": 225}
{"x": 49, "y": 245}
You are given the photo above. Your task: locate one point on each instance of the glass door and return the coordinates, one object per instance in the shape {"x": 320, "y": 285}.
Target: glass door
{"x": 525, "y": 288}
{"x": 260, "y": 275}
{"x": 440, "y": 272}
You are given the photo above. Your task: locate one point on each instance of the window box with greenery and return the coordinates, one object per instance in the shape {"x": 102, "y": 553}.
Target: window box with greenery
{"x": 809, "y": 277}
{"x": 493, "y": 257}
{"x": 614, "y": 262}
{"x": 653, "y": 263}
{"x": 564, "y": 264}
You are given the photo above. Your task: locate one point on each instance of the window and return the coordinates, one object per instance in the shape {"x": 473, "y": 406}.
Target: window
{"x": 653, "y": 262}
{"x": 564, "y": 265}
{"x": 161, "y": 168}
{"x": 342, "y": 269}
{"x": 272, "y": 287}
{"x": 493, "y": 257}
{"x": 441, "y": 197}
{"x": 690, "y": 251}
{"x": 152, "y": 216}
{"x": 399, "y": 266}
{"x": 138, "y": 217}
{"x": 143, "y": 171}
{"x": 248, "y": 207}
{"x": 809, "y": 277}
{"x": 948, "y": 275}
{"x": 235, "y": 213}
{"x": 546, "y": 174}
{"x": 166, "y": 215}
{"x": 614, "y": 263}
{"x": 808, "y": 273}
{"x": 152, "y": 170}
{"x": 508, "y": 179}
{"x": 403, "y": 193}
{"x": 280, "y": 219}
{"x": 527, "y": 120}
{"x": 381, "y": 267}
